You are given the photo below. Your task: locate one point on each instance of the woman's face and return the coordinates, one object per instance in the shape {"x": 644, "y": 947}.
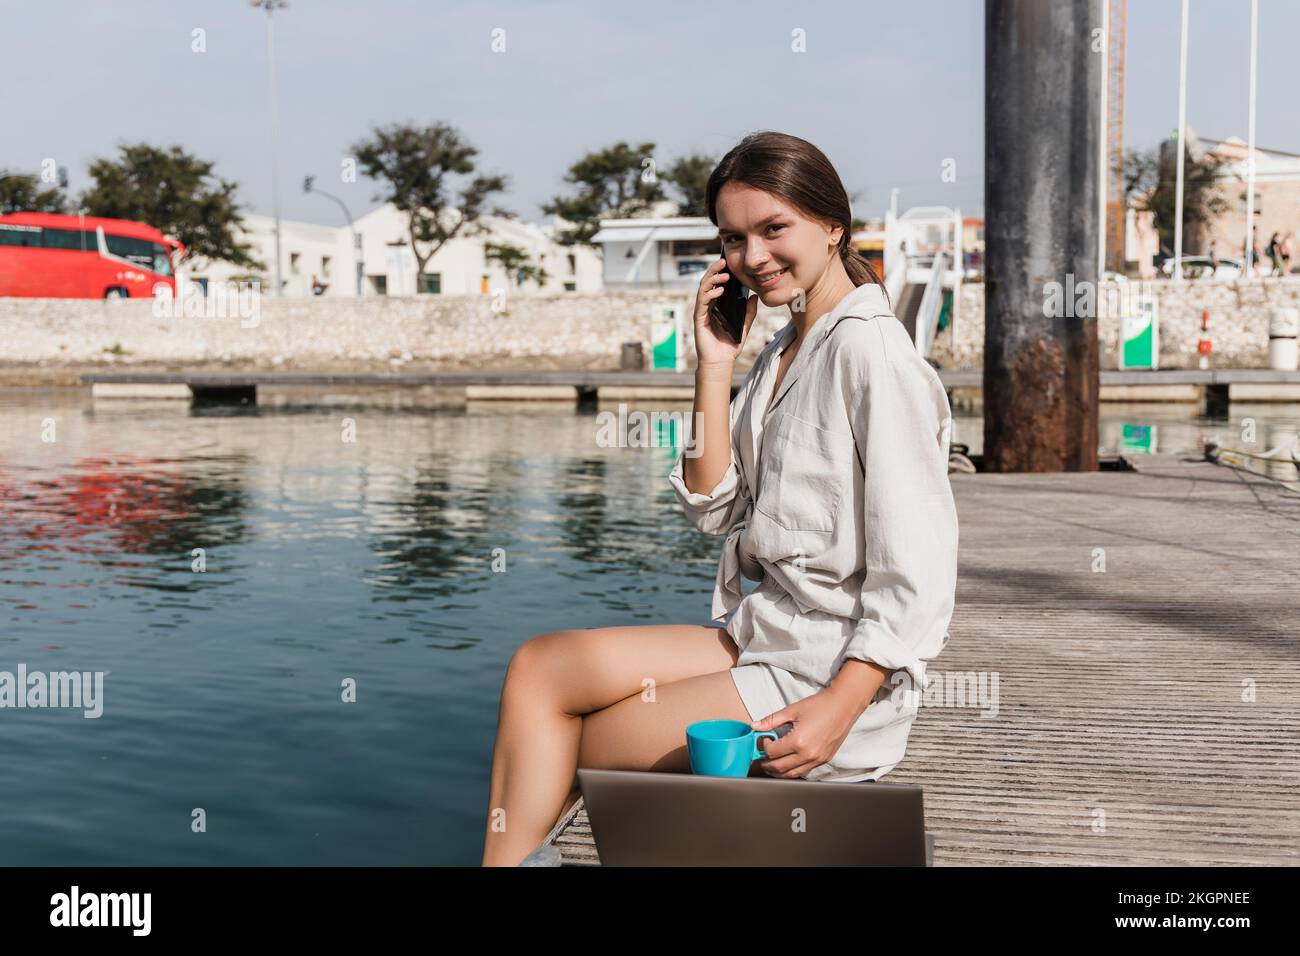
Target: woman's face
{"x": 762, "y": 234}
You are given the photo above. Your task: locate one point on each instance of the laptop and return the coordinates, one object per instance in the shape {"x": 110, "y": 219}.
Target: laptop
{"x": 641, "y": 818}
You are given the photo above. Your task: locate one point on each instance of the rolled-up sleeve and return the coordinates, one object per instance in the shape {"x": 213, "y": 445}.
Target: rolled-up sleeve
{"x": 716, "y": 511}
{"x": 901, "y": 423}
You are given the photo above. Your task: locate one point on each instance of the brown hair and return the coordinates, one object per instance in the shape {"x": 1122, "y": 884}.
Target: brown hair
{"x": 799, "y": 173}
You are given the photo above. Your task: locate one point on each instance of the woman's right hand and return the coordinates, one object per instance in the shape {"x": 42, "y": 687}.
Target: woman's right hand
{"x": 710, "y": 348}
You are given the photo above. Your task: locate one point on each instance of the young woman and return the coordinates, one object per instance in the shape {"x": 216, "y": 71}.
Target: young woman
{"x": 828, "y": 477}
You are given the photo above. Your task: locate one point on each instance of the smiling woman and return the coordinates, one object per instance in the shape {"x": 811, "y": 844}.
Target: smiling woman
{"x": 836, "y": 494}
{"x": 827, "y": 475}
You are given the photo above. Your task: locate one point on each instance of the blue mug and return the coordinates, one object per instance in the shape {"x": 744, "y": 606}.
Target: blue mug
{"x": 724, "y": 748}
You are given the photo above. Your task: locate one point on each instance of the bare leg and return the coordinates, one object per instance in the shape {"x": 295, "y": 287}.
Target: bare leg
{"x": 644, "y": 733}
{"x": 554, "y": 680}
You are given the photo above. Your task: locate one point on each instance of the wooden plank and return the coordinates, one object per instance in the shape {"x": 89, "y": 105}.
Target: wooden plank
{"x": 1147, "y": 709}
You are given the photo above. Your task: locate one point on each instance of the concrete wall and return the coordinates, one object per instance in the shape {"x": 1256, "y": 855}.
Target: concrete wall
{"x": 567, "y": 330}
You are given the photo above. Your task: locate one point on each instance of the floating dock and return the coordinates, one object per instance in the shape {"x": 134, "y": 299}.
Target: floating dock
{"x": 1211, "y": 388}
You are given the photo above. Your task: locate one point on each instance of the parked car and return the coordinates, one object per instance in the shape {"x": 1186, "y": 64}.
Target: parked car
{"x": 1200, "y": 267}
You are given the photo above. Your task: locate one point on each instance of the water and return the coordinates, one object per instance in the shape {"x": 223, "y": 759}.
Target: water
{"x": 326, "y": 560}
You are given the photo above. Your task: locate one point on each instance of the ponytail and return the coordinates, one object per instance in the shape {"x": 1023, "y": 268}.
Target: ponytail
{"x": 859, "y": 269}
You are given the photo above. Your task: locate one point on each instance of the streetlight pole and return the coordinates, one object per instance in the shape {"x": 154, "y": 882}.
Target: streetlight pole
{"x": 1182, "y": 149}
{"x": 1249, "y": 270}
{"x": 309, "y": 186}
{"x": 270, "y": 6}
{"x": 1103, "y": 171}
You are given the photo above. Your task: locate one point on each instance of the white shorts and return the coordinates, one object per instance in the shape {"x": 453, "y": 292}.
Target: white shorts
{"x": 768, "y": 619}
{"x": 762, "y": 695}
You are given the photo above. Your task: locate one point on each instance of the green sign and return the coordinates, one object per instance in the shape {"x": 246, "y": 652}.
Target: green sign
{"x": 1139, "y": 333}
{"x": 666, "y": 338}
{"x": 1137, "y": 439}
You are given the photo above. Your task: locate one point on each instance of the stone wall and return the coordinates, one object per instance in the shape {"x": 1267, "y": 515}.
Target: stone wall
{"x": 566, "y": 330}
{"x": 1239, "y": 318}
{"x": 570, "y": 330}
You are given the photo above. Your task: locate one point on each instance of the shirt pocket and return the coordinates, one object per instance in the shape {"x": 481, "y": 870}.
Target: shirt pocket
{"x": 804, "y": 474}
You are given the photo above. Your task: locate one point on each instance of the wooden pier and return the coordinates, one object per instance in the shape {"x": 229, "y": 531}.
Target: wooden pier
{"x": 1143, "y": 627}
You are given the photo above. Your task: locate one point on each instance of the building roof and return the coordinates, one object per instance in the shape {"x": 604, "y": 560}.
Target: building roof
{"x": 638, "y": 230}
{"x": 1270, "y": 164}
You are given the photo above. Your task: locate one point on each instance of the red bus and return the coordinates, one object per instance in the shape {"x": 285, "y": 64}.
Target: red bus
{"x": 51, "y": 256}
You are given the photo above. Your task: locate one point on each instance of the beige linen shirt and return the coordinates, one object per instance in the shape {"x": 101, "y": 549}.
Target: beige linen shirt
{"x": 837, "y": 501}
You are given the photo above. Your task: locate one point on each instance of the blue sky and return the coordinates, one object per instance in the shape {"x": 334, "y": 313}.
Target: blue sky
{"x": 888, "y": 90}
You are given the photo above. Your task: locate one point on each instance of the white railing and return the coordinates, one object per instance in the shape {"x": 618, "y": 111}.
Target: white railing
{"x": 896, "y": 278}
{"x": 927, "y": 315}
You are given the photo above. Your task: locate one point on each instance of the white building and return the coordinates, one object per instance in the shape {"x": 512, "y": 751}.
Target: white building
{"x": 660, "y": 252}
{"x": 324, "y": 257}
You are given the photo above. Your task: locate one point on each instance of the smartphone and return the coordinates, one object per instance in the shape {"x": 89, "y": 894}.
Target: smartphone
{"x": 727, "y": 311}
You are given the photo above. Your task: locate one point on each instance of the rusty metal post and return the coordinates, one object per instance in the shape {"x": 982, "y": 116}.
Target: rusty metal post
{"x": 1042, "y": 74}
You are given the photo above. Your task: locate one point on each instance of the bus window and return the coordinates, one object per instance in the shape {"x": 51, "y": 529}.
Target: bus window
{"x": 146, "y": 254}
{"x": 76, "y": 239}
{"x": 11, "y": 235}
{"x": 162, "y": 262}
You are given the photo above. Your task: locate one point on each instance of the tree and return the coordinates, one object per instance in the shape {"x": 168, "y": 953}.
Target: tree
{"x": 22, "y": 192}
{"x": 176, "y": 193}
{"x": 515, "y": 262}
{"x": 414, "y": 162}
{"x": 690, "y": 174}
{"x": 1150, "y": 185}
{"x": 615, "y": 183}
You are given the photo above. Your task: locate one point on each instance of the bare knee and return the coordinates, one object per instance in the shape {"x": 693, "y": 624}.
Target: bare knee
{"x": 532, "y": 664}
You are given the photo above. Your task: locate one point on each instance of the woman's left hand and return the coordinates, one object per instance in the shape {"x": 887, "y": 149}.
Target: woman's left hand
{"x": 821, "y": 722}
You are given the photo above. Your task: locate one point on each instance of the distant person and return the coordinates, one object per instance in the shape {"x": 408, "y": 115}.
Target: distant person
{"x": 1214, "y": 256}
{"x": 1253, "y": 266}
{"x": 317, "y": 287}
{"x": 1286, "y": 255}
{"x": 1274, "y": 251}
